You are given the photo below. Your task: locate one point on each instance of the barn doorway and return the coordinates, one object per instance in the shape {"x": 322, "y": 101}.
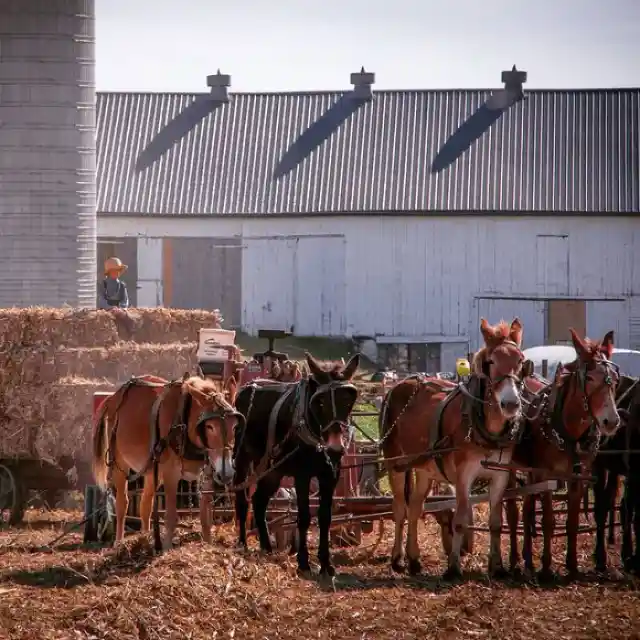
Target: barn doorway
{"x": 562, "y": 315}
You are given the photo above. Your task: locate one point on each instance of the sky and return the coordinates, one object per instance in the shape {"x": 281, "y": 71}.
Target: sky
{"x": 297, "y": 45}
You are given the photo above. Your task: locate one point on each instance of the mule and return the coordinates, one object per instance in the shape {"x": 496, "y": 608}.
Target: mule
{"x": 564, "y": 423}
{"x": 294, "y": 429}
{"x": 479, "y": 419}
{"x": 612, "y": 462}
{"x": 180, "y": 426}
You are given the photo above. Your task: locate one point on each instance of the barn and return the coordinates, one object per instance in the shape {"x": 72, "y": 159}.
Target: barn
{"x": 376, "y": 214}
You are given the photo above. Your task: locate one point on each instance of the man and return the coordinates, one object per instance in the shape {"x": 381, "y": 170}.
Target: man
{"x": 113, "y": 292}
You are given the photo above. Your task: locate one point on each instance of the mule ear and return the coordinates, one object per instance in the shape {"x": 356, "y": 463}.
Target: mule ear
{"x": 579, "y": 345}
{"x": 515, "y": 331}
{"x": 314, "y": 367}
{"x": 607, "y": 345}
{"x": 486, "y": 330}
{"x": 528, "y": 369}
{"x": 351, "y": 367}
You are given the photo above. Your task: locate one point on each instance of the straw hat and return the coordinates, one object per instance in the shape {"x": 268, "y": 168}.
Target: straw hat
{"x": 114, "y": 264}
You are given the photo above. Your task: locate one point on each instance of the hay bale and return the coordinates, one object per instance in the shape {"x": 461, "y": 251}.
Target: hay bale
{"x": 114, "y": 363}
{"x": 49, "y": 422}
{"x": 53, "y": 328}
{"x": 160, "y": 325}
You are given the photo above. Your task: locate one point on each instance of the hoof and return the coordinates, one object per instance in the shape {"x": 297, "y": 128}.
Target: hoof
{"x": 328, "y": 571}
{"x": 499, "y": 573}
{"x": 305, "y": 574}
{"x": 327, "y": 580}
{"x": 414, "y": 567}
{"x": 452, "y": 573}
{"x": 546, "y": 576}
{"x": 397, "y": 566}
{"x": 516, "y": 571}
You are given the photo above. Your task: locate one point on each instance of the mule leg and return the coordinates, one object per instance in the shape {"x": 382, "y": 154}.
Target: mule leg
{"x": 119, "y": 479}
{"x": 206, "y": 500}
{"x": 461, "y": 517}
{"x": 302, "y": 484}
{"x": 634, "y": 499}
{"x": 416, "y": 507}
{"x": 548, "y": 528}
{"x": 265, "y": 489}
{"x": 601, "y": 505}
{"x": 399, "y": 508}
{"x": 146, "y": 503}
{"x": 498, "y": 484}
{"x": 170, "y": 480}
{"x": 513, "y": 517}
{"x": 613, "y": 495}
{"x": 625, "y": 521}
{"x": 528, "y": 522}
{"x": 576, "y": 491}
{"x": 327, "y": 480}
{"x": 241, "y": 501}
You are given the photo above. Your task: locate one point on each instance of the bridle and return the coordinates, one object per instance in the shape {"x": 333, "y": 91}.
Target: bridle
{"x": 308, "y": 412}
{"x": 493, "y": 383}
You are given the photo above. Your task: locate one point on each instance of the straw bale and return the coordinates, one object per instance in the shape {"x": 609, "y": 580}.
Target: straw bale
{"x": 114, "y": 363}
{"x": 160, "y": 325}
{"x": 49, "y": 421}
{"x": 39, "y": 327}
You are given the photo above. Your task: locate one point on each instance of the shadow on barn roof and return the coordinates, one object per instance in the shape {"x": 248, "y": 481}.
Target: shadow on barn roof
{"x": 573, "y": 151}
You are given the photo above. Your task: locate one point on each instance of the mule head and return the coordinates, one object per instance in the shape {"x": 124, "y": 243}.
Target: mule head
{"x": 596, "y": 381}
{"x": 502, "y": 364}
{"x": 212, "y": 423}
{"x": 331, "y": 399}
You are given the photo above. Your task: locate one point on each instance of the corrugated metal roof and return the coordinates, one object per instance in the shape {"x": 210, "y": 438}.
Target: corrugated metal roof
{"x": 565, "y": 151}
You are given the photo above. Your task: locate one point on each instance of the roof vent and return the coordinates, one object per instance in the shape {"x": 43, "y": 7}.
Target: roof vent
{"x": 219, "y": 83}
{"x": 513, "y": 81}
{"x": 362, "y": 84}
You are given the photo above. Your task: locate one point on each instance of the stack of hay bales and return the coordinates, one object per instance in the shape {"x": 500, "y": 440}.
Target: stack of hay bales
{"x": 53, "y": 360}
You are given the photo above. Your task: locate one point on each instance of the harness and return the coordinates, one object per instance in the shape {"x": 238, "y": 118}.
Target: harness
{"x": 177, "y": 438}
{"x": 550, "y": 402}
{"x": 303, "y": 415}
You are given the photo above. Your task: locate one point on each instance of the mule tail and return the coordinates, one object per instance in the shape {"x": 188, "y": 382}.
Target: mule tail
{"x": 100, "y": 446}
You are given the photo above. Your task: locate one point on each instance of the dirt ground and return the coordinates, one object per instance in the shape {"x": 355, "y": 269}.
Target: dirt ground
{"x": 213, "y": 592}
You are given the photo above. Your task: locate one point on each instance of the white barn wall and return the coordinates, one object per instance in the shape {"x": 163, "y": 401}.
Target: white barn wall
{"x": 429, "y": 277}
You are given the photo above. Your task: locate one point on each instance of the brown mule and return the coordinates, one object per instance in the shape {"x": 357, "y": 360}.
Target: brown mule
{"x": 481, "y": 421}
{"x": 565, "y": 421}
{"x": 183, "y": 424}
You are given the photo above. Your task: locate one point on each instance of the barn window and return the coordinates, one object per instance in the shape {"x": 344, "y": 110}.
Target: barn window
{"x": 419, "y": 357}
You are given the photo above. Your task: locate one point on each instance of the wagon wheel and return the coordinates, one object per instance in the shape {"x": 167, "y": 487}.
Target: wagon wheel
{"x": 12, "y": 502}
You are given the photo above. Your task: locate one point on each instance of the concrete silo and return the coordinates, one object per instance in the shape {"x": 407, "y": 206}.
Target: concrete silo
{"x": 47, "y": 153}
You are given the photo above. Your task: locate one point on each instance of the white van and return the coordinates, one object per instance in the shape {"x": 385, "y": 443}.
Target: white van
{"x": 627, "y": 359}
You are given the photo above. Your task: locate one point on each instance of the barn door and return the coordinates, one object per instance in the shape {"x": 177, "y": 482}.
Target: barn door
{"x": 268, "y": 274}
{"x": 320, "y": 288}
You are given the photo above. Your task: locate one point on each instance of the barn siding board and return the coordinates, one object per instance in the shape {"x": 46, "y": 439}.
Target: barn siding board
{"x": 634, "y": 322}
{"x": 127, "y": 250}
{"x": 150, "y": 266}
{"x": 207, "y": 274}
{"x": 415, "y": 276}
{"x": 604, "y": 316}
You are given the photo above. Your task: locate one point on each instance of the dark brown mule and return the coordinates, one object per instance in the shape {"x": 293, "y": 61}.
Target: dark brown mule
{"x": 183, "y": 424}
{"x": 565, "y": 421}
{"x": 481, "y": 421}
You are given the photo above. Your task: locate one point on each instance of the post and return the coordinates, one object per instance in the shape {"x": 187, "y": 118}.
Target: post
{"x": 545, "y": 368}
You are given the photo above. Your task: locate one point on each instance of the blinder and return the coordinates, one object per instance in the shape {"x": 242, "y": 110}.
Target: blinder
{"x": 331, "y": 388}
{"x": 221, "y": 415}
